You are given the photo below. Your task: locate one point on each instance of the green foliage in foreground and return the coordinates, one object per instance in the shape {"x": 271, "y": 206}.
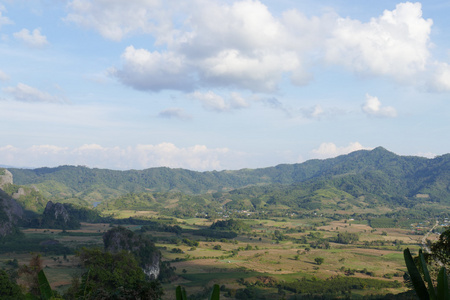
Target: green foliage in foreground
{"x": 440, "y": 250}
{"x": 44, "y": 286}
{"x": 143, "y": 249}
{"x": 441, "y": 293}
{"x": 113, "y": 276}
{"x": 8, "y": 288}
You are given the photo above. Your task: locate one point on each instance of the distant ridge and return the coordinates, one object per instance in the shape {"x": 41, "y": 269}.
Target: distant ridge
{"x": 403, "y": 176}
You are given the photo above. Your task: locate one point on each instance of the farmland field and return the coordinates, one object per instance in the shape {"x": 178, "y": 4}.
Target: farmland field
{"x": 266, "y": 259}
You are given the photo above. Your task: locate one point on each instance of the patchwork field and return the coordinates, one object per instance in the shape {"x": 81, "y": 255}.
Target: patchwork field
{"x": 272, "y": 253}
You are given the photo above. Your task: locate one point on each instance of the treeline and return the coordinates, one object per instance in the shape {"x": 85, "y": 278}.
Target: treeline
{"x": 337, "y": 285}
{"x": 231, "y": 225}
{"x": 210, "y": 233}
{"x": 161, "y": 227}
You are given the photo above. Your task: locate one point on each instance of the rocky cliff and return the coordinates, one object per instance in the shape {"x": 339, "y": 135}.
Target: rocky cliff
{"x": 5, "y": 178}
{"x": 56, "y": 211}
{"x": 10, "y": 213}
{"x": 57, "y": 216}
{"x": 149, "y": 257}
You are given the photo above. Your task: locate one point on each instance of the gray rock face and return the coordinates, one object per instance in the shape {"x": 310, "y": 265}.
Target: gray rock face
{"x": 152, "y": 270}
{"x": 20, "y": 192}
{"x": 119, "y": 238}
{"x": 10, "y": 213}
{"x": 5, "y": 178}
{"x": 57, "y": 210}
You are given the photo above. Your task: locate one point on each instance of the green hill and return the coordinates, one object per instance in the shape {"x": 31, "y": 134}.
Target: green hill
{"x": 362, "y": 178}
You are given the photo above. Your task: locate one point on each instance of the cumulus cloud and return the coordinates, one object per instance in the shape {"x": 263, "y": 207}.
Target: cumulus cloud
{"x": 214, "y": 102}
{"x": 328, "y": 150}
{"x": 198, "y": 157}
{"x": 174, "y": 113}
{"x": 372, "y": 107}
{"x": 26, "y": 93}
{"x": 3, "y": 76}
{"x": 155, "y": 71}
{"x": 396, "y": 43}
{"x": 32, "y": 39}
{"x": 242, "y": 44}
{"x": 237, "y": 45}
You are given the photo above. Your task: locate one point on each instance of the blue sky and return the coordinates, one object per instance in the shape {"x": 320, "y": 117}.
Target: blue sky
{"x": 214, "y": 85}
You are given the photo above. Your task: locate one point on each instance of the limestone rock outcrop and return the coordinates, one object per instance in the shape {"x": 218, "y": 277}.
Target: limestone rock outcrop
{"x": 10, "y": 213}
{"x": 56, "y": 211}
{"x": 5, "y": 178}
{"x": 57, "y": 216}
{"x": 149, "y": 257}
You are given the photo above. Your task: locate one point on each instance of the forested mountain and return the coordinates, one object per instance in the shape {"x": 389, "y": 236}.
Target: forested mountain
{"x": 376, "y": 174}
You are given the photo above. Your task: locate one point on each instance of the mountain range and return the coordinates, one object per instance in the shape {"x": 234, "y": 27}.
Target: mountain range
{"x": 363, "y": 178}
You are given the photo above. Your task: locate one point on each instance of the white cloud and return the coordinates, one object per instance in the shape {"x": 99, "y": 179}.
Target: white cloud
{"x": 3, "y": 76}
{"x": 239, "y": 45}
{"x": 426, "y": 154}
{"x": 440, "y": 81}
{"x": 396, "y": 43}
{"x": 314, "y": 112}
{"x": 197, "y": 157}
{"x": 174, "y": 113}
{"x": 237, "y": 101}
{"x": 328, "y": 150}
{"x": 372, "y": 107}
{"x": 26, "y": 93}
{"x": 213, "y": 102}
{"x": 114, "y": 19}
{"x": 3, "y": 20}
{"x": 32, "y": 40}
{"x": 259, "y": 71}
{"x": 42, "y": 150}
{"x": 242, "y": 44}
{"x": 145, "y": 70}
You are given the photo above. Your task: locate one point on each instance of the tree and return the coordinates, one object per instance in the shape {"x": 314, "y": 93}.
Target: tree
{"x": 143, "y": 249}
{"x": 8, "y": 288}
{"x": 440, "y": 250}
{"x": 319, "y": 260}
{"x": 30, "y": 274}
{"x": 114, "y": 275}
{"x": 441, "y": 292}
{"x": 347, "y": 238}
